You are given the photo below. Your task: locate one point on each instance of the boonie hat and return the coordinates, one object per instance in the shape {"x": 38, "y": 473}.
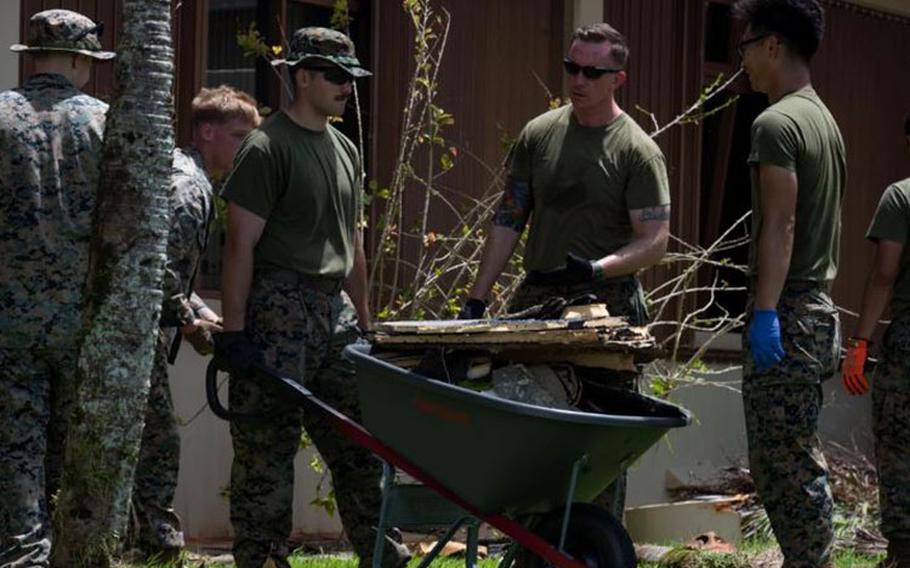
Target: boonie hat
{"x": 314, "y": 43}
{"x": 64, "y": 30}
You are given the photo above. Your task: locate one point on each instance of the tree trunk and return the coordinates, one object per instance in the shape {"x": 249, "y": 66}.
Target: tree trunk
{"x": 123, "y": 297}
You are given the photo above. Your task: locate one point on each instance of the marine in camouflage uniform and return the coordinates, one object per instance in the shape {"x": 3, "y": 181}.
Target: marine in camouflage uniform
{"x": 594, "y": 186}
{"x": 792, "y": 334}
{"x": 50, "y": 147}
{"x": 888, "y": 286}
{"x": 891, "y": 425}
{"x": 297, "y": 183}
{"x": 192, "y": 210}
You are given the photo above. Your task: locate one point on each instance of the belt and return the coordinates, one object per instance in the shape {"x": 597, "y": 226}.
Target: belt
{"x": 800, "y": 285}
{"x": 328, "y": 286}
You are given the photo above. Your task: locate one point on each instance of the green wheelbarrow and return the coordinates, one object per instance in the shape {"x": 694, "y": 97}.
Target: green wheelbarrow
{"x": 526, "y": 470}
{"x": 514, "y": 465}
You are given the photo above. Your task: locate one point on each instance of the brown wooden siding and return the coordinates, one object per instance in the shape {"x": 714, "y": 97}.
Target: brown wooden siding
{"x": 664, "y": 77}
{"x": 487, "y": 82}
{"x": 861, "y": 73}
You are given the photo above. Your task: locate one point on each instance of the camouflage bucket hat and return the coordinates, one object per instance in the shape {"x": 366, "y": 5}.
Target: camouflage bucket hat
{"x": 326, "y": 45}
{"x": 64, "y": 30}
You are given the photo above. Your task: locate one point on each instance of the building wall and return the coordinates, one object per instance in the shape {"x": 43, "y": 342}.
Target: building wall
{"x": 860, "y": 73}
{"x": 9, "y": 34}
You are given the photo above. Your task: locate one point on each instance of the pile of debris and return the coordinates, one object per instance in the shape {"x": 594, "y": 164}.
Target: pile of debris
{"x": 853, "y": 483}
{"x": 544, "y": 357}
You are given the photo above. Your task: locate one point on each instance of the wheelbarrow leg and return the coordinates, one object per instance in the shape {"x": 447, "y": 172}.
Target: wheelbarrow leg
{"x": 509, "y": 557}
{"x": 470, "y": 554}
{"x": 437, "y": 548}
{"x": 388, "y": 477}
{"x": 570, "y": 498}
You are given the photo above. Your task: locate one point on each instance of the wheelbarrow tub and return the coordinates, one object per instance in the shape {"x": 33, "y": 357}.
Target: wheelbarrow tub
{"x": 503, "y": 456}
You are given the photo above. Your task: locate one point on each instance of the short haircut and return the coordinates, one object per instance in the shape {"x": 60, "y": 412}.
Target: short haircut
{"x": 799, "y": 24}
{"x": 599, "y": 33}
{"x": 224, "y": 103}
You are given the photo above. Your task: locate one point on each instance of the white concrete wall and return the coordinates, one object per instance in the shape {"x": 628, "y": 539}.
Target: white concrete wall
{"x": 205, "y": 462}
{"x": 9, "y": 34}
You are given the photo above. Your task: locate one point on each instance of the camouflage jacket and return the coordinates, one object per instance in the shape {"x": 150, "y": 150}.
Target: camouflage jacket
{"x": 192, "y": 211}
{"x": 50, "y": 154}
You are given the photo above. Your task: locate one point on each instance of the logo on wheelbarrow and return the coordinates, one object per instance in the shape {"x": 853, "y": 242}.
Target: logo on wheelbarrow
{"x": 441, "y": 411}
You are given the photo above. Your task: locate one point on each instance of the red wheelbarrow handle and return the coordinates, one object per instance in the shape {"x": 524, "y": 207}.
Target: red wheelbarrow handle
{"x": 361, "y": 436}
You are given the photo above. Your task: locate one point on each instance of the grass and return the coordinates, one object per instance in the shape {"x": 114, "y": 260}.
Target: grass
{"x": 741, "y": 559}
{"x": 750, "y": 555}
{"x": 329, "y": 562}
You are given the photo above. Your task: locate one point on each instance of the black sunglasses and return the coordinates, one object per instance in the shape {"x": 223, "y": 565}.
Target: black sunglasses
{"x": 589, "y": 71}
{"x": 97, "y": 29}
{"x": 335, "y": 75}
{"x": 741, "y": 47}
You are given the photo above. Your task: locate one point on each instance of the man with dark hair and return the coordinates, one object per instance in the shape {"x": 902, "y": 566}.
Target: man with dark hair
{"x": 792, "y": 335}
{"x": 888, "y": 284}
{"x": 594, "y": 186}
{"x": 293, "y": 243}
{"x": 222, "y": 117}
{"x": 50, "y": 153}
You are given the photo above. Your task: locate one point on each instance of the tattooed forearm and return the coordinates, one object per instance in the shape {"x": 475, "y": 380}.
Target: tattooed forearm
{"x": 659, "y": 213}
{"x": 515, "y": 208}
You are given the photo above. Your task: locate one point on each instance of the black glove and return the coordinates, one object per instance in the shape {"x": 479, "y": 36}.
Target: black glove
{"x": 472, "y": 309}
{"x": 577, "y": 270}
{"x": 235, "y": 353}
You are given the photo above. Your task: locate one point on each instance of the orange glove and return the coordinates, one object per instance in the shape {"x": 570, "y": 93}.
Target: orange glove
{"x": 852, "y": 374}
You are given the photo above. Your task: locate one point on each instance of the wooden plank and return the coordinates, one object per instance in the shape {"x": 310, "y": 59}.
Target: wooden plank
{"x": 629, "y": 340}
{"x": 457, "y": 327}
{"x": 567, "y": 337}
{"x": 421, "y": 327}
{"x": 585, "y": 358}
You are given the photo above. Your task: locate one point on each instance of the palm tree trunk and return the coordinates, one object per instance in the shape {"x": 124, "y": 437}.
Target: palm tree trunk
{"x": 123, "y": 298}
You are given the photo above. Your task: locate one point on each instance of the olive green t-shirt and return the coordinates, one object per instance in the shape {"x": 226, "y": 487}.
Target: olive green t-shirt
{"x": 892, "y": 223}
{"x": 306, "y": 185}
{"x": 798, "y": 133}
{"x": 584, "y": 181}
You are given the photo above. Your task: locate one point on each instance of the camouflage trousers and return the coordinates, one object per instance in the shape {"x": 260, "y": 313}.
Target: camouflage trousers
{"x": 155, "y": 481}
{"x": 782, "y": 407}
{"x": 891, "y": 424}
{"x": 624, "y": 298}
{"x": 301, "y": 333}
{"x": 36, "y": 393}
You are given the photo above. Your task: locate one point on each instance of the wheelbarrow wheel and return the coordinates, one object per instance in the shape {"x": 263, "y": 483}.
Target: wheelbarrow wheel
{"x": 595, "y": 538}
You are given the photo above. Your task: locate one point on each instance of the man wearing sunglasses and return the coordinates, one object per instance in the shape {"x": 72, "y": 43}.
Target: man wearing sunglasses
{"x": 888, "y": 285}
{"x": 294, "y": 295}
{"x": 594, "y": 187}
{"x": 792, "y": 335}
{"x": 50, "y": 152}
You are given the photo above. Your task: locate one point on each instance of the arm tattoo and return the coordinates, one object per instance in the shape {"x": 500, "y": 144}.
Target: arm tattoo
{"x": 659, "y": 213}
{"x": 516, "y": 205}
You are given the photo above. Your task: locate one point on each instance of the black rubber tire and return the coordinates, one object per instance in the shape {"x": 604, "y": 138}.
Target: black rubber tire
{"x": 595, "y": 538}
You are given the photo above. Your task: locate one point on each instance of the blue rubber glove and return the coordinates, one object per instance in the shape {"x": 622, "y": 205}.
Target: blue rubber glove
{"x": 764, "y": 335}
